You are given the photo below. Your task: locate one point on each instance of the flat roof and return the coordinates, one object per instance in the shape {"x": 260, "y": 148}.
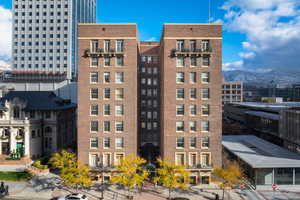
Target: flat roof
{"x": 264, "y": 115}
{"x": 259, "y": 153}
{"x": 269, "y": 106}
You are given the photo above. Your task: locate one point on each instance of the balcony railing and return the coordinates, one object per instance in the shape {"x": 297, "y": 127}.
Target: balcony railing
{"x": 101, "y": 52}
{"x": 191, "y": 52}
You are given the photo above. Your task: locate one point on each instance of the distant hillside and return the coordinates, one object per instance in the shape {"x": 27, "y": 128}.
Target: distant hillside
{"x": 263, "y": 78}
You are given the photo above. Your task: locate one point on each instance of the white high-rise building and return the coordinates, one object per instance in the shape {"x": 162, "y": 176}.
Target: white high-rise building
{"x": 44, "y": 45}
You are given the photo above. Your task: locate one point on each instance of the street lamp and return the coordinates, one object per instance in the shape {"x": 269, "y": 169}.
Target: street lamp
{"x": 102, "y": 181}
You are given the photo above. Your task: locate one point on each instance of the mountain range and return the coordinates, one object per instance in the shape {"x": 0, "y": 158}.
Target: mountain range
{"x": 272, "y": 77}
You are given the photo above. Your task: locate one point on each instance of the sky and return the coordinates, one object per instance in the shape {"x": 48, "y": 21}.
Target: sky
{"x": 258, "y": 35}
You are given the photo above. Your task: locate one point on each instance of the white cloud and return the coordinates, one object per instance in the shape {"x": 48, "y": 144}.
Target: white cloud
{"x": 5, "y": 35}
{"x": 152, "y": 39}
{"x": 247, "y": 55}
{"x": 237, "y": 65}
{"x": 272, "y": 29}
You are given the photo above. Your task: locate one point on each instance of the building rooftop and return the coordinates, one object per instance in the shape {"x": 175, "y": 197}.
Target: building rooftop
{"x": 264, "y": 114}
{"x": 38, "y": 100}
{"x": 259, "y": 153}
{"x": 276, "y": 107}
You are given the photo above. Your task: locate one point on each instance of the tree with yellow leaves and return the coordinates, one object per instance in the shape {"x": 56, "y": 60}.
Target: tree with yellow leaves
{"x": 130, "y": 173}
{"x": 71, "y": 172}
{"x": 172, "y": 176}
{"x": 228, "y": 176}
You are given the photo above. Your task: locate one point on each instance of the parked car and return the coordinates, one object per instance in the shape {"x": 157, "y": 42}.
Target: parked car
{"x": 74, "y": 196}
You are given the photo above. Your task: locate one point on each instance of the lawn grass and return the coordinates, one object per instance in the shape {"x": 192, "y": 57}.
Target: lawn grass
{"x": 15, "y": 176}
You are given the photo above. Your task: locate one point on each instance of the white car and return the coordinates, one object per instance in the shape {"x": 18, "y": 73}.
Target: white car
{"x": 74, "y": 196}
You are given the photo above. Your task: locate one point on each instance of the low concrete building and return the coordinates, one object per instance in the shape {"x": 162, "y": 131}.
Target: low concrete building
{"x": 35, "y": 124}
{"x": 278, "y": 123}
{"x": 264, "y": 163}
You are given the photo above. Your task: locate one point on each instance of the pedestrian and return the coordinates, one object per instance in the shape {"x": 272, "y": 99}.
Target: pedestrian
{"x": 217, "y": 197}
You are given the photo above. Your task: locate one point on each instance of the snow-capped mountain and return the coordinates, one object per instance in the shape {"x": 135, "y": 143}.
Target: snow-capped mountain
{"x": 263, "y": 78}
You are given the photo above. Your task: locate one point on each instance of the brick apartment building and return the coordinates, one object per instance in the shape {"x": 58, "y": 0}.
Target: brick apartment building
{"x": 170, "y": 102}
{"x": 107, "y": 93}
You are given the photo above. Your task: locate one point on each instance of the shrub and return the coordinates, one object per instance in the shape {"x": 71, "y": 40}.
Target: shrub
{"x": 38, "y": 164}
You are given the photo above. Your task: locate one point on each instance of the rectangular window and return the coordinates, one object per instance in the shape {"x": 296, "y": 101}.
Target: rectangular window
{"x": 180, "y": 45}
{"x": 205, "y": 45}
{"x": 106, "y": 143}
{"x": 106, "y": 126}
{"x": 205, "y": 77}
{"x": 205, "y": 61}
{"x": 119, "y": 109}
{"x": 94, "y": 126}
{"x": 120, "y": 46}
{"x": 205, "y": 126}
{"x": 179, "y": 160}
{"x": 106, "y": 77}
{"x": 106, "y": 109}
{"x": 205, "y": 109}
{"x": 94, "y": 142}
{"x": 193, "y": 110}
{"x": 119, "y": 126}
{"x": 94, "y": 61}
{"x": 193, "y": 93}
{"x": 180, "y": 93}
{"x": 205, "y": 159}
{"x": 94, "y": 77}
{"x": 106, "y": 61}
{"x": 193, "y": 45}
{"x": 205, "y": 93}
{"x": 180, "y": 61}
{"x": 193, "y": 126}
{"x": 107, "y": 46}
{"x": 180, "y": 142}
{"x": 119, "y": 93}
{"x": 120, "y": 61}
{"x": 119, "y": 158}
{"x": 193, "y": 142}
{"x": 180, "y": 126}
{"x": 180, "y": 77}
{"x": 106, "y": 160}
{"x": 193, "y": 160}
{"x": 106, "y": 93}
{"x": 119, "y": 77}
{"x": 193, "y": 77}
{"x": 119, "y": 143}
{"x": 180, "y": 110}
{"x": 94, "y": 109}
{"x": 205, "y": 142}
{"x": 94, "y": 93}
{"x": 94, "y": 46}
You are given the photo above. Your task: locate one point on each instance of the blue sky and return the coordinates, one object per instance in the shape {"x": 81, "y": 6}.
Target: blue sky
{"x": 254, "y": 31}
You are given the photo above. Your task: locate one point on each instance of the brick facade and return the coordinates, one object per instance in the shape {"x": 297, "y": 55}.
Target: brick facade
{"x": 151, "y": 83}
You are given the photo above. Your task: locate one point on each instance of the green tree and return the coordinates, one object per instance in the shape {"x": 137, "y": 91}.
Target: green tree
{"x": 130, "y": 173}
{"x": 172, "y": 176}
{"x": 71, "y": 172}
{"x": 228, "y": 176}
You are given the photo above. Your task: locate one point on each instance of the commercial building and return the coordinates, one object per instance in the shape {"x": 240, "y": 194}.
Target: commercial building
{"x": 44, "y": 40}
{"x": 276, "y": 122}
{"x": 264, "y": 163}
{"x": 152, "y": 98}
{"x": 31, "y": 124}
{"x": 232, "y": 92}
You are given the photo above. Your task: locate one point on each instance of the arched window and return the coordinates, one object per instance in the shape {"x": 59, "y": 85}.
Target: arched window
{"x": 16, "y": 112}
{"x": 48, "y": 129}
